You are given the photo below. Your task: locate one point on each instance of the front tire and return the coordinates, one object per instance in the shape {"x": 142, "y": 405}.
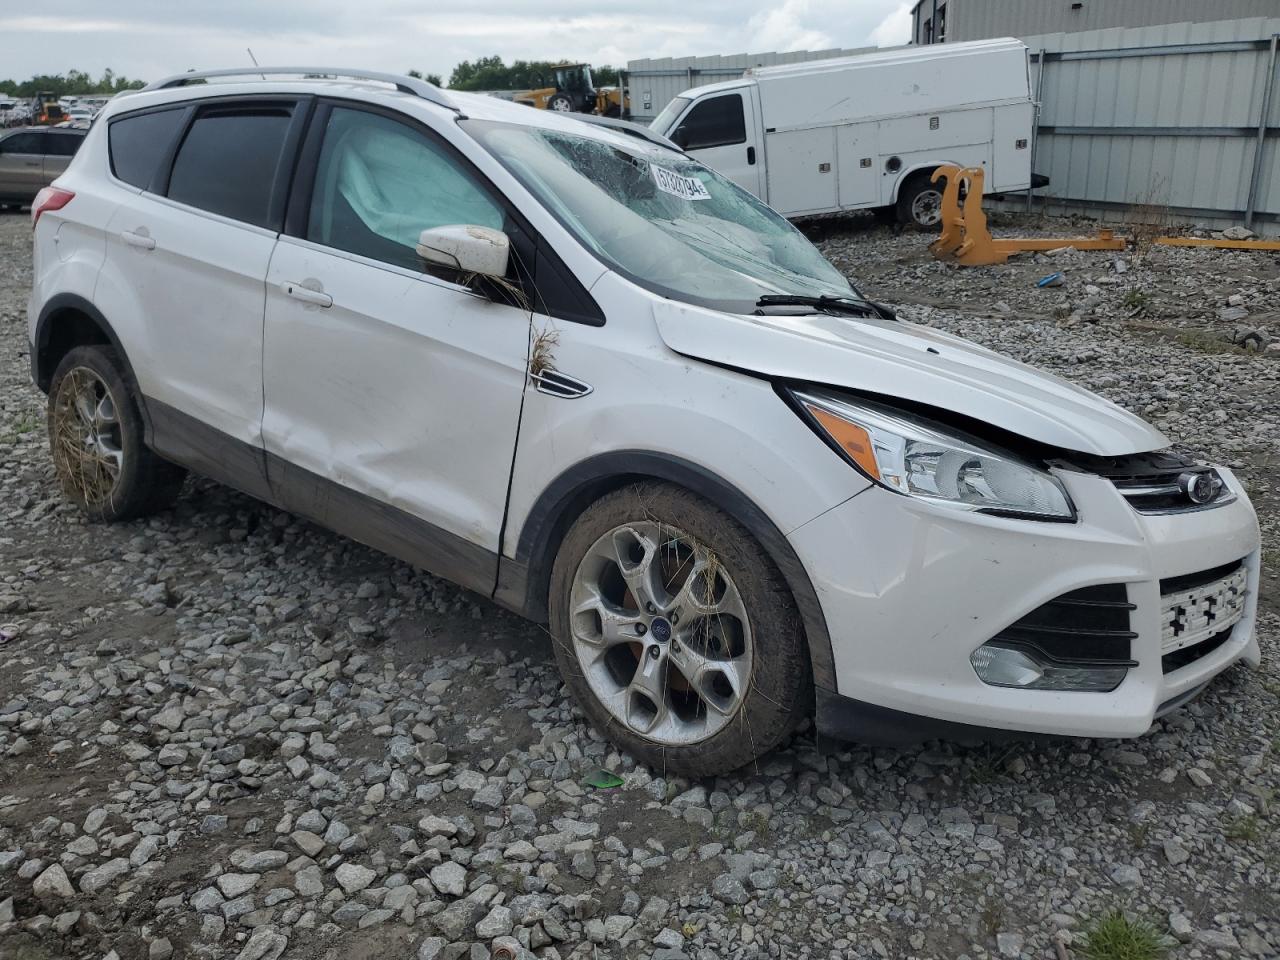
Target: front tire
{"x": 560, "y": 103}
{"x": 676, "y": 633}
{"x": 96, "y": 441}
{"x": 920, "y": 202}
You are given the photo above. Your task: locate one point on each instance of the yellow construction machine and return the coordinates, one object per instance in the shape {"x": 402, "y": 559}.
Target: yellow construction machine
{"x": 574, "y": 91}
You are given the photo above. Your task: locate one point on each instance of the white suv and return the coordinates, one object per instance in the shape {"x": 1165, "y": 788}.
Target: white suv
{"x": 571, "y": 369}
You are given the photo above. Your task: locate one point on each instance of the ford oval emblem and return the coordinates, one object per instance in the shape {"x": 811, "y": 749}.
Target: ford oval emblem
{"x": 1201, "y": 486}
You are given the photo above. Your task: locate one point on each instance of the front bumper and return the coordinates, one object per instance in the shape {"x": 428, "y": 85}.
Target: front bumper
{"x": 910, "y": 589}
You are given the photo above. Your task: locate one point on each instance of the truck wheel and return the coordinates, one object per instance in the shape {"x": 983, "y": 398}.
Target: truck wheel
{"x": 95, "y": 437}
{"x": 920, "y": 201}
{"x": 560, "y": 103}
{"x": 676, "y": 633}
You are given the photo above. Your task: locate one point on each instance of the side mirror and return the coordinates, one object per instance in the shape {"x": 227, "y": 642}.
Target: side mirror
{"x": 680, "y": 137}
{"x": 466, "y": 248}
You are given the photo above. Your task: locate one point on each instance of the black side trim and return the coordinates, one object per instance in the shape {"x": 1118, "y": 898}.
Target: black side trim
{"x": 843, "y": 718}
{"x": 47, "y": 328}
{"x": 523, "y": 580}
{"x": 210, "y": 452}
{"x": 182, "y": 438}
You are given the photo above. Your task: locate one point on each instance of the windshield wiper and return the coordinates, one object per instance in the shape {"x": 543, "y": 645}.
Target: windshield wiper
{"x": 849, "y": 305}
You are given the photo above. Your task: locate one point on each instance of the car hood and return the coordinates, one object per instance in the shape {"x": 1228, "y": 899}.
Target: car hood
{"x": 910, "y": 362}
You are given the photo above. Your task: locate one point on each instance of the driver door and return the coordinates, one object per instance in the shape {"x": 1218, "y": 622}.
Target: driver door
{"x": 720, "y": 131}
{"x": 392, "y": 395}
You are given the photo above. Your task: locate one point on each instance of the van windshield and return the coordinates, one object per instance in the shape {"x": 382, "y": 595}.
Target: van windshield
{"x": 664, "y": 121}
{"x": 663, "y": 220}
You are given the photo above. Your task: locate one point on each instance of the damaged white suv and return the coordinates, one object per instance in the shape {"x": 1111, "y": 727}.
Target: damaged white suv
{"x": 571, "y": 369}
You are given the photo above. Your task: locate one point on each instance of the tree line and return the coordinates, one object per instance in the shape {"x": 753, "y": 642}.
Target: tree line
{"x": 485, "y": 73}
{"x": 70, "y": 84}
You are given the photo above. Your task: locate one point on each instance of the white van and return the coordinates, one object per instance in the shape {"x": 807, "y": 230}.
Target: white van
{"x": 865, "y": 132}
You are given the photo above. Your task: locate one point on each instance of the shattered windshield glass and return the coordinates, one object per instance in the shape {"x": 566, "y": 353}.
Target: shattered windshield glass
{"x": 663, "y": 220}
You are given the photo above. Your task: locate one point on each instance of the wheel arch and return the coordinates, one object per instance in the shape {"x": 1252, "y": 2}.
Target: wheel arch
{"x": 915, "y": 171}
{"x": 68, "y": 321}
{"x": 524, "y": 581}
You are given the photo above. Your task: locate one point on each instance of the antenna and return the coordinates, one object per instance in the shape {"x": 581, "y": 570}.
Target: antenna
{"x": 249, "y": 50}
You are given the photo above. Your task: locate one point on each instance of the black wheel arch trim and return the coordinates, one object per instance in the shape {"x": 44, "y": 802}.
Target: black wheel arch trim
{"x": 524, "y": 580}
{"x": 42, "y": 373}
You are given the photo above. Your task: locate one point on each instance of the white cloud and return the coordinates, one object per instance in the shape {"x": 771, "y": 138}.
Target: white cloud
{"x": 147, "y": 40}
{"x": 895, "y": 29}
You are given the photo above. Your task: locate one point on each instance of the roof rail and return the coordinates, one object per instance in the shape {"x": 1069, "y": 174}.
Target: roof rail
{"x": 419, "y": 88}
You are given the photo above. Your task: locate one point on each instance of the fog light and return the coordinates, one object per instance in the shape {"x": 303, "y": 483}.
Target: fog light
{"x": 1003, "y": 666}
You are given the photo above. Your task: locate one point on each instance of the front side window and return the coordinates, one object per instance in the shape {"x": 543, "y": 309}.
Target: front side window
{"x": 714, "y": 122}
{"x": 32, "y": 143}
{"x": 380, "y": 183}
{"x": 139, "y": 143}
{"x": 227, "y": 162}
{"x": 661, "y": 219}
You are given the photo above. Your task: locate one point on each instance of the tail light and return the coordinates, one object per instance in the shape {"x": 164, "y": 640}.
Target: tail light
{"x": 50, "y": 198}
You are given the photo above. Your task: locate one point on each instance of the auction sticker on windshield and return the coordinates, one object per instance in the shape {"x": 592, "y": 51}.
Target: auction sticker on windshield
{"x": 686, "y": 188}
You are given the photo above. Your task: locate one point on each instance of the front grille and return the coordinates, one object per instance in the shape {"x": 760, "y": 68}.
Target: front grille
{"x": 1157, "y": 483}
{"x": 1197, "y": 612}
{"x": 1189, "y": 655}
{"x": 1090, "y": 625}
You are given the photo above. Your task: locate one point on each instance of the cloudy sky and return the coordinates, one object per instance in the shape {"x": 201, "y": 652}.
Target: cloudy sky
{"x": 148, "y": 39}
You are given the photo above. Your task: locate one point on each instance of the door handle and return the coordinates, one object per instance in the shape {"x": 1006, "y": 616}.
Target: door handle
{"x": 751, "y": 156}
{"x": 33, "y": 163}
{"x": 306, "y": 294}
{"x": 139, "y": 240}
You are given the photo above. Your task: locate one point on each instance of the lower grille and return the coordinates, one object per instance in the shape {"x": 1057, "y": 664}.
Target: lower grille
{"x": 1197, "y": 612}
{"x": 1090, "y": 625}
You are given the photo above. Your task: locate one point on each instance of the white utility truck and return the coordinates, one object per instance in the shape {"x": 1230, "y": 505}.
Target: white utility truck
{"x": 866, "y": 131}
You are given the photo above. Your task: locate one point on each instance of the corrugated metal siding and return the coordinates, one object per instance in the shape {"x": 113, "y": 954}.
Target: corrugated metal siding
{"x": 1200, "y": 176}
{"x": 980, "y": 19}
{"x": 653, "y": 83}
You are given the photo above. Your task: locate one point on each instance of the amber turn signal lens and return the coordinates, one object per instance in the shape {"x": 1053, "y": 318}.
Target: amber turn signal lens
{"x": 853, "y": 440}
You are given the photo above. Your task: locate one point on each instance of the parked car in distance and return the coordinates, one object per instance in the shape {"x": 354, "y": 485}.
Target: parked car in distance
{"x": 865, "y": 132}
{"x": 31, "y": 158}
{"x": 581, "y": 373}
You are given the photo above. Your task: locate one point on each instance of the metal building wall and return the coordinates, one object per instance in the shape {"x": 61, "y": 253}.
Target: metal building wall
{"x": 653, "y": 83}
{"x": 982, "y": 19}
{"x": 1160, "y": 122}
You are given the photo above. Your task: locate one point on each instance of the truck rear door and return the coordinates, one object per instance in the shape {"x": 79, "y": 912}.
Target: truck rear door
{"x": 722, "y": 131}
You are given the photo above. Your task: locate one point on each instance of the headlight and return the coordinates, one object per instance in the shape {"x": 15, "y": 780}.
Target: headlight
{"x": 919, "y": 460}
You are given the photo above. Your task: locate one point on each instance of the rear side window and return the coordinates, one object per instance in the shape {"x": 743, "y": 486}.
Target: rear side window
{"x": 23, "y": 143}
{"x": 62, "y": 144}
{"x": 140, "y": 143}
{"x": 715, "y": 122}
{"x": 227, "y": 163}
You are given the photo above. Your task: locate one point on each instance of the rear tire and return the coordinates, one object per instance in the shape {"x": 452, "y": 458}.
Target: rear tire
{"x": 920, "y": 201}
{"x": 676, "y": 633}
{"x": 96, "y": 441}
{"x": 560, "y": 103}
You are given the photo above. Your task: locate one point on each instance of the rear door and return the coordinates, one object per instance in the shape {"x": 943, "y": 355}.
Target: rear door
{"x": 721, "y": 131}
{"x": 60, "y": 147}
{"x": 22, "y": 164}
{"x": 191, "y": 252}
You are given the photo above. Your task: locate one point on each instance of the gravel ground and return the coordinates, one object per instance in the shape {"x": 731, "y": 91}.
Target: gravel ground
{"x": 227, "y": 733}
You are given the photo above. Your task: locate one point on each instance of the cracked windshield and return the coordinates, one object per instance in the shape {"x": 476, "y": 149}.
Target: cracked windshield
{"x": 668, "y": 223}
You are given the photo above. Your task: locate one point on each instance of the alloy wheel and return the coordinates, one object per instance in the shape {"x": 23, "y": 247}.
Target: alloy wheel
{"x": 88, "y": 452}
{"x": 661, "y": 633}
